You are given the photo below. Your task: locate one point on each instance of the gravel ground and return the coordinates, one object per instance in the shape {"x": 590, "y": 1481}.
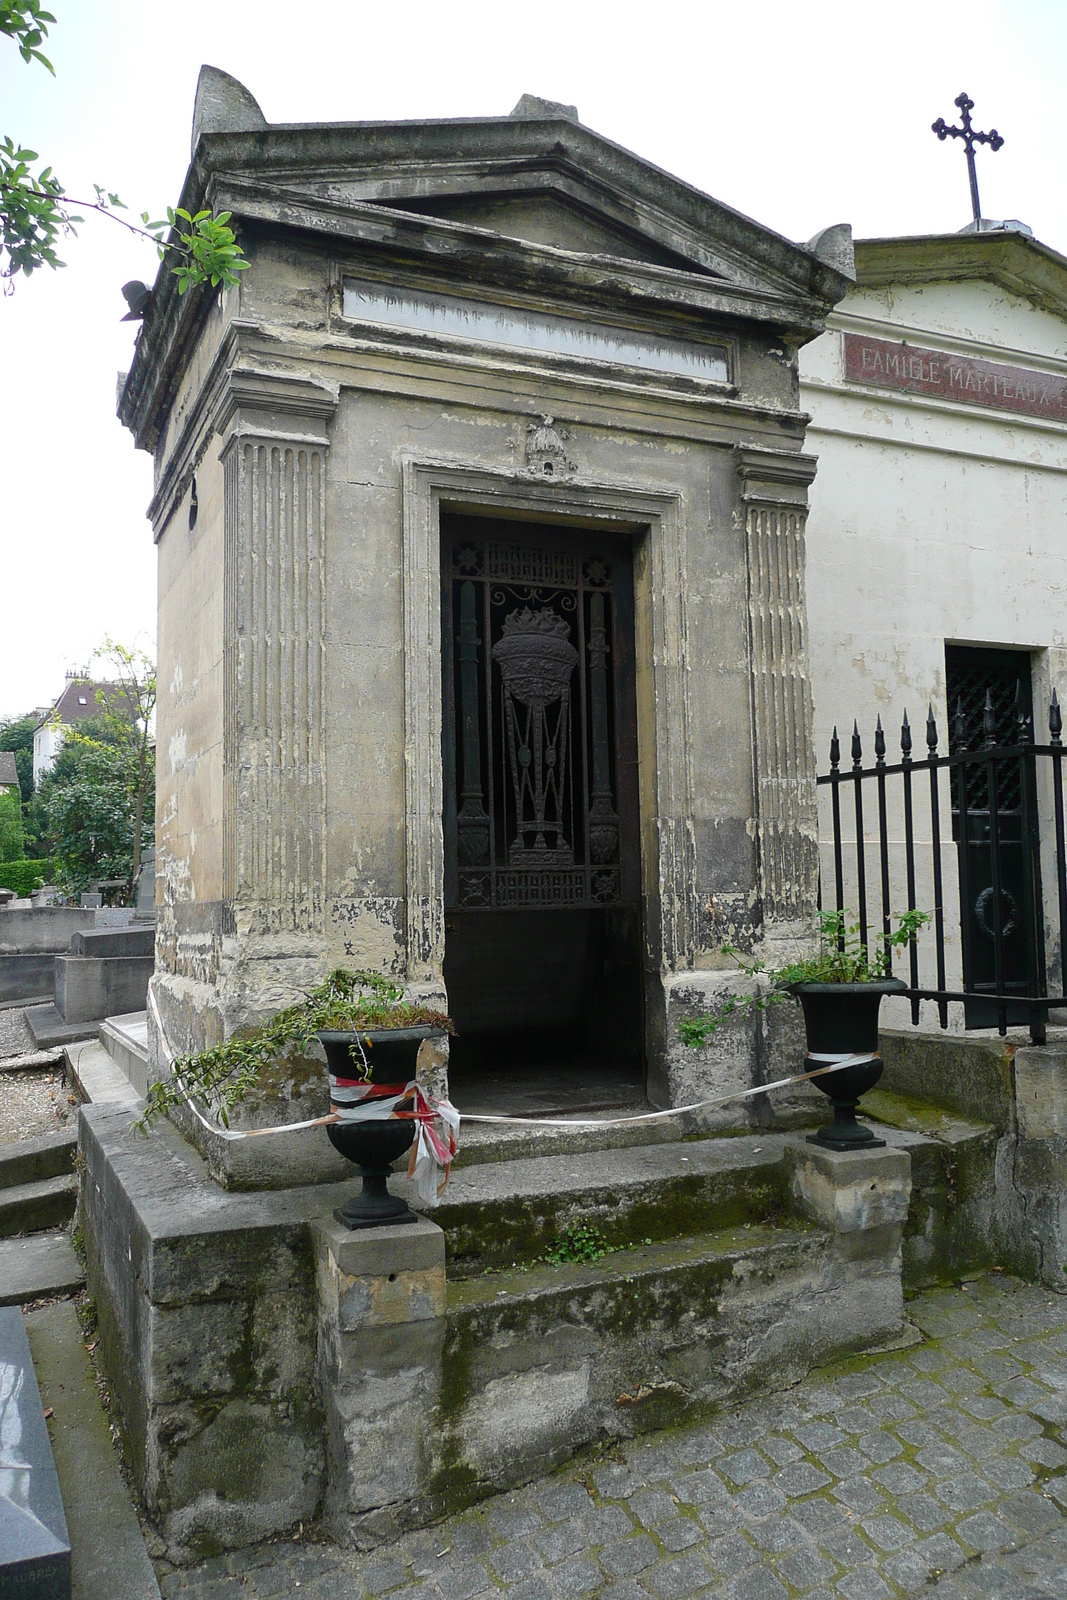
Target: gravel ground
{"x": 15, "y": 1037}
{"x": 34, "y": 1103}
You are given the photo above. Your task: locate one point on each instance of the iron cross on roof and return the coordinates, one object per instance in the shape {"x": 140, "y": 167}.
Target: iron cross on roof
{"x": 970, "y": 139}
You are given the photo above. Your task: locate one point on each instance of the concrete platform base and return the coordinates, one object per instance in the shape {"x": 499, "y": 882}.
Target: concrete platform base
{"x": 125, "y": 1038}
{"x": 90, "y": 987}
{"x": 48, "y": 1028}
{"x": 99, "y": 1077}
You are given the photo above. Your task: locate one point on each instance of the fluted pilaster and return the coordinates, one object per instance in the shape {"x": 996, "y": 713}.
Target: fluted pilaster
{"x": 274, "y": 461}
{"x": 774, "y": 496}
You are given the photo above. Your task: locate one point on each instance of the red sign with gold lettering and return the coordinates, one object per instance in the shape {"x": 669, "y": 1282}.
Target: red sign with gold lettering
{"x": 915, "y": 370}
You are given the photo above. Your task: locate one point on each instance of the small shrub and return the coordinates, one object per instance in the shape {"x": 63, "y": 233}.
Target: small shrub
{"x": 24, "y": 876}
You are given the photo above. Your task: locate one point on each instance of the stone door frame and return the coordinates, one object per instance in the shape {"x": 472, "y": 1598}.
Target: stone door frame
{"x": 661, "y": 672}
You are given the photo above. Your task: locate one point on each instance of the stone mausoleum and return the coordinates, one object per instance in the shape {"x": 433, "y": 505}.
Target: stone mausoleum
{"x": 480, "y": 507}
{"x": 480, "y": 511}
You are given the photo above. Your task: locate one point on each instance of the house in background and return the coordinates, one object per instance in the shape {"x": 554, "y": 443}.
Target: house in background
{"x": 937, "y": 562}
{"x": 9, "y": 776}
{"x": 80, "y": 700}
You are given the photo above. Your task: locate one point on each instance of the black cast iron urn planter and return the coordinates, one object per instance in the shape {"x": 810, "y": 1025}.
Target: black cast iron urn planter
{"x": 373, "y": 1146}
{"x": 841, "y": 1019}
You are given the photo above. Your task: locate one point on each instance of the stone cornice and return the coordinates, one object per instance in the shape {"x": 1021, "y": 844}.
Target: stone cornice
{"x": 245, "y": 399}
{"x": 1022, "y": 265}
{"x": 258, "y": 398}
{"x": 774, "y": 477}
{"x": 239, "y": 376}
{"x": 341, "y": 177}
{"x": 479, "y": 257}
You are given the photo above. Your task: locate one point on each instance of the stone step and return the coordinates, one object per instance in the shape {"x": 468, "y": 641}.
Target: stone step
{"x": 34, "y": 1160}
{"x": 950, "y": 1228}
{"x": 27, "y": 1207}
{"x": 482, "y": 1143}
{"x": 125, "y": 1039}
{"x": 499, "y": 1213}
{"x": 537, "y": 1364}
{"x": 37, "y": 1266}
{"x": 108, "y": 1555}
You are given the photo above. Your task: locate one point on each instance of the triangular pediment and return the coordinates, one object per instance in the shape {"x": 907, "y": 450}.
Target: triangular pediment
{"x": 537, "y": 217}
{"x": 533, "y": 207}
{"x": 543, "y": 181}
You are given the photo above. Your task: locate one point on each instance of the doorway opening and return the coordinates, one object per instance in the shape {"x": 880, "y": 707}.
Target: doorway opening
{"x": 543, "y": 943}
{"x": 990, "y": 697}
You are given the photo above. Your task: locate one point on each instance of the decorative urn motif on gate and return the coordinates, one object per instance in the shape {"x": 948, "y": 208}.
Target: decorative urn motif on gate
{"x": 536, "y": 660}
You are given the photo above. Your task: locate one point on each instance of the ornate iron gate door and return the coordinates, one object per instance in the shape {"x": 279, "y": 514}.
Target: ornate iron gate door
{"x": 540, "y": 746}
{"x": 1003, "y": 676}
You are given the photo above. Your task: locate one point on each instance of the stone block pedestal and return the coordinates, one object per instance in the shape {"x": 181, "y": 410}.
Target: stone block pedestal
{"x": 381, "y": 1340}
{"x": 861, "y": 1197}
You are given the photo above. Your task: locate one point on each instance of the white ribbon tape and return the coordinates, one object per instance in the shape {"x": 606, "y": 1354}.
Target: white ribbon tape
{"x": 844, "y": 1061}
{"x": 834, "y": 1063}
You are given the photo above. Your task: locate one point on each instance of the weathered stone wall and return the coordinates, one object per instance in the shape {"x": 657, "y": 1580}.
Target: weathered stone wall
{"x": 270, "y": 1363}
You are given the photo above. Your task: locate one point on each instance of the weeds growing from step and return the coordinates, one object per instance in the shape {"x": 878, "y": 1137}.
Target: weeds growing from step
{"x": 580, "y": 1244}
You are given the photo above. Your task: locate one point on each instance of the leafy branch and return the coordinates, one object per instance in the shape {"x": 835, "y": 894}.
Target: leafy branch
{"x": 36, "y": 212}
{"x": 842, "y": 957}
{"x": 357, "y": 1002}
{"x": 27, "y": 24}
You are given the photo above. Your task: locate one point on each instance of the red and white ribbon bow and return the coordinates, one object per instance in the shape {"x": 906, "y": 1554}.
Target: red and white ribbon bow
{"x": 437, "y": 1124}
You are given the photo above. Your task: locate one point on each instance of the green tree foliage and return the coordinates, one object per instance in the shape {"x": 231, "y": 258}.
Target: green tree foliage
{"x": 11, "y": 831}
{"x": 16, "y": 734}
{"x": 95, "y": 810}
{"x": 36, "y": 212}
{"x": 88, "y": 815}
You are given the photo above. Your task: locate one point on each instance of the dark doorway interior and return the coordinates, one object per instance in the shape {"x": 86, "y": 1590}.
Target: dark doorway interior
{"x": 971, "y": 674}
{"x": 547, "y": 1007}
{"x": 543, "y": 930}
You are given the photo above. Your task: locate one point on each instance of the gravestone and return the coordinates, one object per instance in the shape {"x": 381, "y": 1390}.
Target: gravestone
{"x": 34, "y": 1548}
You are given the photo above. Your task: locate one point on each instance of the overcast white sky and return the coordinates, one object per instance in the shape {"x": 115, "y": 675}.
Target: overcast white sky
{"x": 800, "y": 115}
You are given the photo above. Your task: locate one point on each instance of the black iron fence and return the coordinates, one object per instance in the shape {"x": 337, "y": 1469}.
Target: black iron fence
{"x": 975, "y": 837}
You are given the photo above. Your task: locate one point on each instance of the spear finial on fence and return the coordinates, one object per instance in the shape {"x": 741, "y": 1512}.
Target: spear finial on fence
{"x": 905, "y": 738}
{"x": 1023, "y": 716}
{"x": 1055, "y": 720}
{"x": 857, "y": 747}
{"x": 989, "y": 720}
{"x": 879, "y": 745}
{"x": 835, "y": 751}
{"x": 931, "y": 730}
{"x": 961, "y": 726}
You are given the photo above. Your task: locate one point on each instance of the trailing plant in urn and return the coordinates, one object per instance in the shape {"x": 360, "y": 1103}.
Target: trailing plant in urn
{"x": 351, "y": 1002}
{"x": 840, "y": 988}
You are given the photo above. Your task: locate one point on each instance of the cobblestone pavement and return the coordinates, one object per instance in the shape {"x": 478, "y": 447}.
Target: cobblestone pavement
{"x": 940, "y": 1467}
